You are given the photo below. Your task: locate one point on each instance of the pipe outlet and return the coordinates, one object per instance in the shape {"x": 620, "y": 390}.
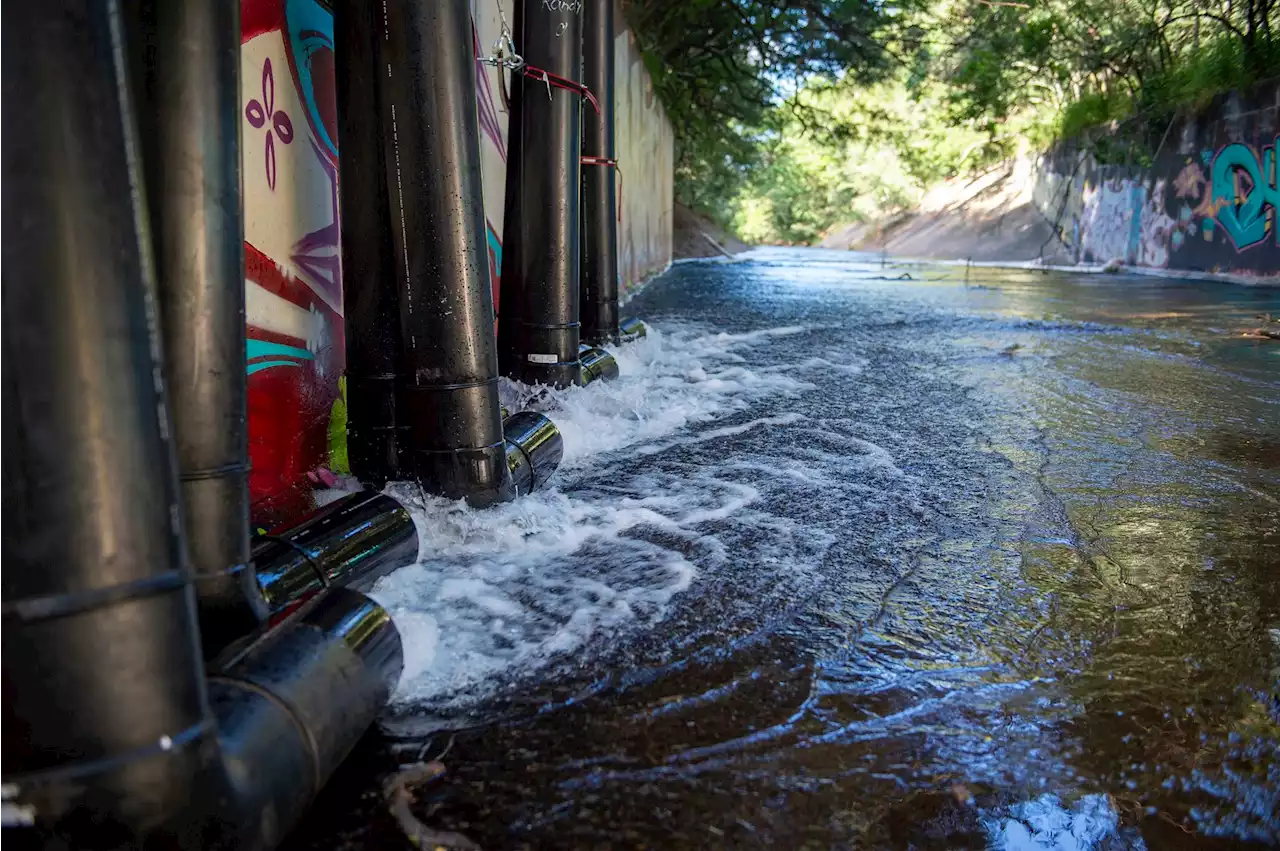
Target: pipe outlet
{"x": 632, "y": 329}
{"x": 597, "y": 363}
{"x": 351, "y": 542}
{"x": 534, "y": 449}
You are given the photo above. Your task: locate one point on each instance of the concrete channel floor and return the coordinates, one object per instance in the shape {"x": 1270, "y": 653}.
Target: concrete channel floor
{"x": 866, "y": 555}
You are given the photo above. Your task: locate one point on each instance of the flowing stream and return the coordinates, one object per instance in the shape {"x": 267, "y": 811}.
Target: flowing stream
{"x": 865, "y": 555}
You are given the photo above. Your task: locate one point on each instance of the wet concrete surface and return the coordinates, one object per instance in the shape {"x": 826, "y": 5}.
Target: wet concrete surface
{"x": 1001, "y": 569}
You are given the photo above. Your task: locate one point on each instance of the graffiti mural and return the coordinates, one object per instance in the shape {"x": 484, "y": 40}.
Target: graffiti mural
{"x": 293, "y": 268}
{"x": 1213, "y": 205}
{"x": 1107, "y": 220}
{"x": 1243, "y": 188}
{"x": 295, "y": 349}
{"x": 645, "y": 149}
{"x": 293, "y": 282}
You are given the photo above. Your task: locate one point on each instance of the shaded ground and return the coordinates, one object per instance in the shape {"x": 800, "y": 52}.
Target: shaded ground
{"x": 989, "y": 217}
{"x": 924, "y": 561}
{"x": 697, "y": 236}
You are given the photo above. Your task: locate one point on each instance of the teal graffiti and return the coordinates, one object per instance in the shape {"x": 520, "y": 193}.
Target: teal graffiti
{"x": 495, "y": 247}
{"x": 310, "y": 30}
{"x": 1246, "y": 223}
{"x": 1137, "y": 201}
{"x": 261, "y": 355}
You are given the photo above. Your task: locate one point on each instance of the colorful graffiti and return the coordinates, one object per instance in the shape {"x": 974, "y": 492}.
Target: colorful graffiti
{"x": 1212, "y": 206}
{"x": 1243, "y": 188}
{"x": 1107, "y": 221}
{"x": 293, "y": 269}
{"x": 1123, "y": 220}
{"x": 260, "y": 113}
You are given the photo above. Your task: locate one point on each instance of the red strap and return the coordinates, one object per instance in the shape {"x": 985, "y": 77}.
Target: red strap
{"x": 561, "y": 83}
{"x": 611, "y": 163}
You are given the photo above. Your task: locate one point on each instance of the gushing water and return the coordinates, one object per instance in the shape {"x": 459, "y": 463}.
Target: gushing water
{"x": 852, "y": 559}
{"x": 510, "y": 589}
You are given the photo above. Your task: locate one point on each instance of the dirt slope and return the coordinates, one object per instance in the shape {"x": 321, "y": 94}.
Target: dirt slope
{"x": 696, "y": 236}
{"x": 989, "y": 217}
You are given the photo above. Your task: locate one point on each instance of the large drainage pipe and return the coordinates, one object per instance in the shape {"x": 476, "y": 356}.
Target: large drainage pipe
{"x": 100, "y": 652}
{"x": 632, "y": 329}
{"x": 366, "y": 535}
{"x": 539, "y": 325}
{"x": 189, "y": 118}
{"x": 369, "y": 292}
{"x": 448, "y": 390}
{"x": 108, "y": 734}
{"x": 350, "y": 543}
{"x": 599, "y": 181}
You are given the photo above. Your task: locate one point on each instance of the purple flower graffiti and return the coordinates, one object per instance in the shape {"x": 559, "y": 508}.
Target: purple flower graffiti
{"x": 259, "y": 115}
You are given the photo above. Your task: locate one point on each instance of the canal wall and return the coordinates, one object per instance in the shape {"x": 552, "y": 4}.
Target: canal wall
{"x": 293, "y": 269}
{"x": 1208, "y": 201}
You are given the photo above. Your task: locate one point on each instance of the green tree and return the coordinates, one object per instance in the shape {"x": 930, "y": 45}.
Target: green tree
{"x": 792, "y": 117}
{"x": 722, "y": 67}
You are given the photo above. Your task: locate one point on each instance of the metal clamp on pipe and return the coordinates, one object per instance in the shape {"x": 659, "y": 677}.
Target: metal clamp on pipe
{"x": 351, "y": 542}
{"x": 632, "y": 329}
{"x": 534, "y": 449}
{"x": 597, "y": 363}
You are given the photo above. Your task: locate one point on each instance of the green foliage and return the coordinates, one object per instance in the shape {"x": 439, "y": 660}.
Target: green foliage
{"x": 795, "y": 116}
{"x": 1219, "y": 66}
{"x": 721, "y": 68}
{"x": 841, "y": 152}
{"x": 1091, "y": 110}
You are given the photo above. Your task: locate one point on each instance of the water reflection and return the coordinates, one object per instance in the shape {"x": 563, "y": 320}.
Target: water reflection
{"x": 1002, "y": 575}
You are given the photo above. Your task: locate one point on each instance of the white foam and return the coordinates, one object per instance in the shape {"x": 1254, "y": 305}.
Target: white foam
{"x": 555, "y": 575}
{"x": 667, "y": 380}
{"x": 1045, "y": 823}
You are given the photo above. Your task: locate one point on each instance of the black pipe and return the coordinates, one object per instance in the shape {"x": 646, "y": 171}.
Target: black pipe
{"x": 540, "y": 259}
{"x": 104, "y": 697}
{"x": 291, "y": 703}
{"x": 189, "y": 119}
{"x": 370, "y": 298}
{"x": 632, "y": 329}
{"x": 599, "y": 180}
{"x": 108, "y": 736}
{"x": 534, "y": 449}
{"x": 349, "y": 543}
{"x": 448, "y": 391}
{"x": 597, "y": 363}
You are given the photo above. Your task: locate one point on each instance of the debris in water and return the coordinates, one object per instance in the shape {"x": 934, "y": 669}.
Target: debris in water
{"x": 398, "y": 792}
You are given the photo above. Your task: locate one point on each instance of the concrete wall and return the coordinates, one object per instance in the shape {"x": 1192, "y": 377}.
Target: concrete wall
{"x": 293, "y": 271}
{"x": 1209, "y": 202}
{"x": 646, "y": 160}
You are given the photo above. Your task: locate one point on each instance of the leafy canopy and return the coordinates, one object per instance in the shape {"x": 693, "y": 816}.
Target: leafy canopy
{"x": 791, "y": 117}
